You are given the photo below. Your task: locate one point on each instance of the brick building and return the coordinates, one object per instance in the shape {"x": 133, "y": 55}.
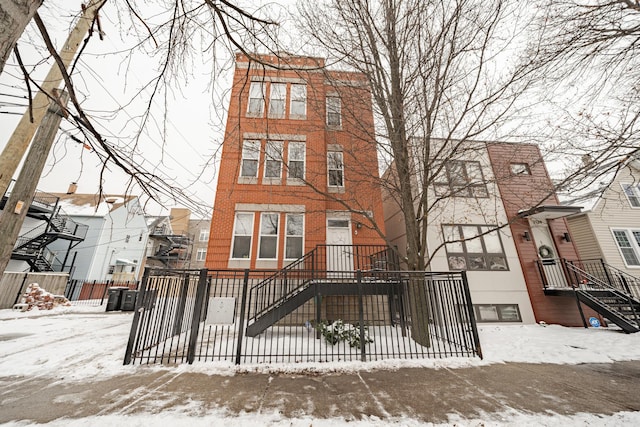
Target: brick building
{"x": 299, "y": 165}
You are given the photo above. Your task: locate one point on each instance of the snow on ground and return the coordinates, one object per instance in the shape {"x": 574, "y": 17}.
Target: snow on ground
{"x": 78, "y": 342}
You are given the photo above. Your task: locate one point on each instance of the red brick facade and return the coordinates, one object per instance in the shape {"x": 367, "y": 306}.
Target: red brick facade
{"x": 280, "y": 121}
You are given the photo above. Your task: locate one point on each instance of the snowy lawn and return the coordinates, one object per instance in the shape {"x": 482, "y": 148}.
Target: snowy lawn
{"x": 75, "y": 343}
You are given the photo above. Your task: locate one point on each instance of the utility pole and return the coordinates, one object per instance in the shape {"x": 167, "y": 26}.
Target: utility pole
{"x": 15, "y": 210}
{"x": 21, "y": 137}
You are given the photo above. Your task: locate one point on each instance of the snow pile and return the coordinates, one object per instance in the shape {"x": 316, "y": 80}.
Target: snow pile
{"x": 37, "y": 297}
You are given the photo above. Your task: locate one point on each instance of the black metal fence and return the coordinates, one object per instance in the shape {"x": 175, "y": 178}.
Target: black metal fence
{"x": 243, "y": 316}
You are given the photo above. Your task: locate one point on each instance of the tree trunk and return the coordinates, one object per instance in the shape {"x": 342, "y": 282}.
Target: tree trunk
{"x": 14, "y": 17}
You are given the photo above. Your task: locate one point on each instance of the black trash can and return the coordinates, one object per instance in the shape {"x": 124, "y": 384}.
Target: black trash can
{"x": 129, "y": 298}
{"x": 115, "y": 298}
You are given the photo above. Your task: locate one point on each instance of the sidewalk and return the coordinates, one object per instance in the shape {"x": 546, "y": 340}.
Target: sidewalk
{"x": 418, "y": 394}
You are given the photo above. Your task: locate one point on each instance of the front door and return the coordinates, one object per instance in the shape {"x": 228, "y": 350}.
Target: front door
{"x": 548, "y": 254}
{"x": 339, "y": 245}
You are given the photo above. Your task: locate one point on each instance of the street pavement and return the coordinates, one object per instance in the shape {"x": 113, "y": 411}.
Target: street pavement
{"x": 424, "y": 394}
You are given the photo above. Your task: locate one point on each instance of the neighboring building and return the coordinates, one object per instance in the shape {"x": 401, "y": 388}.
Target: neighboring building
{"x": 170, "y": 245}
{"x": 114, "y": 247}
{"x": 610, "y": 230}
{"x": 199, "y": 230}
{"x": 299, "y": 165}
{"x": 480, "y": 194}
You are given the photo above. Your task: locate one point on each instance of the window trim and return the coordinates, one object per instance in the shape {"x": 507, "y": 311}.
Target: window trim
{"x": 526, "y": 170}
{"x": 204, "y": 232}
{"x": 234, "y": 235}
{"x": 287, "y": 235}
{"x": 283, "y": 99}
{"x": 279, "y": 152}
{"x": 341, "y": 170}
{"x": 635, "y": 244}
{"x": 303, "y": 161}
{"x": 329, "y": 112}
{"x": 247, "y": 143}
{"x": 203, "y": 252}
{"x": 445, "y": 180}
{"x": 479, "y": 319}
{"x": 260, "y": 236}
{"x": 261, "y": 87}
{"x": 292, "y": 114}
{"x": 635, "y": 189}
{"x": 468, "y": 255}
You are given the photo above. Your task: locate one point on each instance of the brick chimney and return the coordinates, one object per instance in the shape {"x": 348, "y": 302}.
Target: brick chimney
{"x": 72, "y": 188}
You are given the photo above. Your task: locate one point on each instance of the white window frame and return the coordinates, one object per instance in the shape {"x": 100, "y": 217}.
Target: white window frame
{"x": 293, "y": 236}
{"x": 330, "y": 168}
{"x": 250, "y": 153}
{"x": 298, "y": 97}
{"x": 633, "y": 237}
{"x": 632, "y": 191}
{"x": 201, "y": 254}
{"x": 273, "y": 154}
{"x": 292, "y": 158}
{"x": 235, "y": 234}
{"x": 256, "y": 97}
{"x": 334, "y": 110}
{"x": 263, "y": 236}
{"x": 204, "y": 235}
{"x": 278, "y": 94}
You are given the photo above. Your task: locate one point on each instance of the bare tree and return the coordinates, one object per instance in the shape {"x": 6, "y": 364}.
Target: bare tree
{"x": 14, "y": 17}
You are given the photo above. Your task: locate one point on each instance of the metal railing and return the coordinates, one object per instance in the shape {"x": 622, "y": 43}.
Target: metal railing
{"x": 186, "y": 316}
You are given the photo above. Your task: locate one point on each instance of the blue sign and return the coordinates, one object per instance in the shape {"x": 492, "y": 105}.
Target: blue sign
{"x": 594, "y": 322}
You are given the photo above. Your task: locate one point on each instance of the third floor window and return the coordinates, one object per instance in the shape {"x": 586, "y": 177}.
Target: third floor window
{"x": 256, "y": 99}
{"x": 298, "y": 101}
{"x": 461, "y": 179}
{"x": 633, "y": 194}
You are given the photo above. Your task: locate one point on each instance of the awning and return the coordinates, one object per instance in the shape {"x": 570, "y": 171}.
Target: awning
{"x": 550, "y": 212}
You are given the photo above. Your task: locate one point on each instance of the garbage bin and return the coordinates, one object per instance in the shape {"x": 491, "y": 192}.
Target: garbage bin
{"x": 129, "y": 298}
{"x": 114, "y": 298}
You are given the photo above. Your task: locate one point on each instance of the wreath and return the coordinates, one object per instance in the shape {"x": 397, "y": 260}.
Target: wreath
{"x": 545, "y": 251}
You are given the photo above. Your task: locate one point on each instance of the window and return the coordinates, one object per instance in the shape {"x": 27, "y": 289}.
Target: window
{"x": 497, "y": 313}
{"x": 628, "y": 242}
{"x": 293, "y": 238}
{"x": 250, "y": 157}
{"x": 461, "y": 179}
{"x": 520, "y": 169}
{"x": 111, "y": 269}
{"x": 298, "y": 101}
{"x": 335, "y": 169}
{"x": 269, "y": 235}
{"x": 296, "y": 159}
{"x": 277, "y": 99}
{"x": 478, "y": 251}
{"x": 633, "y": 194}
{"x": 256, "y": 99}
{"x": 334, "y": 109}
{"x": 201, "y": 255}
{"x": 204, "y": 235}
{"x": 126, "y": 239}
{"x": 242, "y": 231}
{"x": 273, "y": 159}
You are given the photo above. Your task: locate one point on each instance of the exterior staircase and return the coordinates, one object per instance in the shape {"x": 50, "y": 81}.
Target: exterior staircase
{"x": 273, "y": 298}
{"x": 609, "y": 291}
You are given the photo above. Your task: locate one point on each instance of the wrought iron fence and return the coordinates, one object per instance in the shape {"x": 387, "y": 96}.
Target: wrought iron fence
{"x": 254, "y": 317}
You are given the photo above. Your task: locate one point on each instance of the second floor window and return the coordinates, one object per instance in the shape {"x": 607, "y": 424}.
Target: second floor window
{"x": 269, "y": 235}
{"x": 256, "y": 99}
{"x": 474, "y": 247}
{"x": 242, "y": 231}
{"x": 335, "y": 169}
{"x": 296, "y": 159}
{"x": 204, "y": 235}
{"x": 201, "y": 255}
{"x": 273, "y": 159}
{"x": 461, "y": 179}
{"x": 633, "y": 194}
{"x": 628, "y": 242}
{"x": 334, "y": 110}
{"x": 293, "y": 242}
{"x": 250, "y": 158}
{"x": 277, "y": 98}
{"x": 298, "y": 101}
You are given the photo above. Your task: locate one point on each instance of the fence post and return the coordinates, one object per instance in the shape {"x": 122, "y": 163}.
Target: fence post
{"x": 136, "y": 317}
{"x": 363, "y": 352}
{"x": 470, "y": 313}
{"x": 197, "y": 313}
{"x": 243, "y": 311}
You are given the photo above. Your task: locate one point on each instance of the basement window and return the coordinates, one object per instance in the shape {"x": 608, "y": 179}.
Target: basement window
{"x": 489, "y": 313}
